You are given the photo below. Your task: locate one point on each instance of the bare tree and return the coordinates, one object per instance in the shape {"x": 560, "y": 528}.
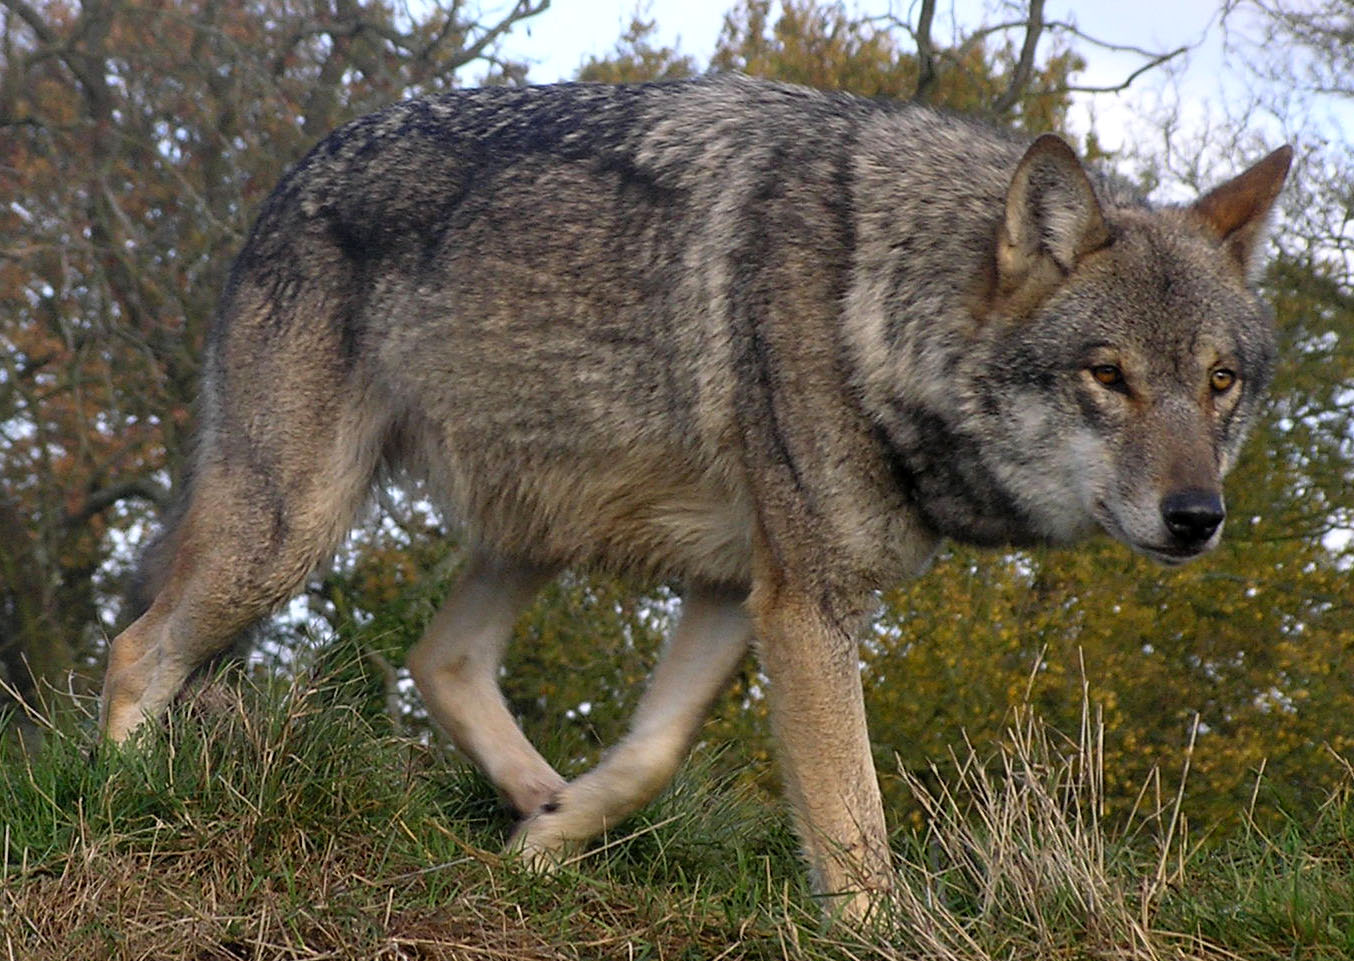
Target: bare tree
{"x": 1300, "y": 61}
{"x": 1029, "y": 23}
{"x": 136, "y": 140}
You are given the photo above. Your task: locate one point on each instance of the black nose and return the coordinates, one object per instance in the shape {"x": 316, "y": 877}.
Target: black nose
{"x": 1192, "y": 515}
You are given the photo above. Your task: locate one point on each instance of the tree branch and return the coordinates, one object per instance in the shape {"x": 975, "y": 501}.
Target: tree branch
{"x": 100, "y": 500}
{"x": 1024, "y": 68}
{"x": 929, "y": 58}
{"x": 1155, "y": 62}
{"x": 1064, "y": 26}
{"x": 926, "y": 53}
{"x": 520, "y": 11}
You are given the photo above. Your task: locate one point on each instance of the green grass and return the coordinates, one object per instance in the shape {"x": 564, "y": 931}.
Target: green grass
{"x": 285, "y": 824}
{"x": 1288, "y": 894}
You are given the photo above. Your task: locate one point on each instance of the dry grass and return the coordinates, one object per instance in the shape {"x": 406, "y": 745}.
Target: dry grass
{"x": 1016, "y": 861}
{"x": 107, "y": 905}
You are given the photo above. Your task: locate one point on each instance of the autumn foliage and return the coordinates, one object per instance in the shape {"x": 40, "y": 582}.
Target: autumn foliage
{"x": 137, "y": 139}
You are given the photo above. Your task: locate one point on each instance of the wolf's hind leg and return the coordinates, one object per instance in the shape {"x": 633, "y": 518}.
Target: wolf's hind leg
{"x": 455, "y": 666}
{"x": 707, "y": 644}
{"x": 244, "y": 545}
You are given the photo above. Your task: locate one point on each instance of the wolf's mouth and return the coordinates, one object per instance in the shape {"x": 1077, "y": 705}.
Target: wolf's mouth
{"x": 1169, "y": 555}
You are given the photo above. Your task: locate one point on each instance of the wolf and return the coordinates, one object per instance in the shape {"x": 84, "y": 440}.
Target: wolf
{"x": 769, "y": 343}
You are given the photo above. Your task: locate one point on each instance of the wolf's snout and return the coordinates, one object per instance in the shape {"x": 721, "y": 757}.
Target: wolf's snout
{"x": 1192, "y": 516}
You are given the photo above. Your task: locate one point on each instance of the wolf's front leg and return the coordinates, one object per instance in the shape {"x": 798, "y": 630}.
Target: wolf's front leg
{"x": 456, "y": 665}
{"x": 710, "y": 639}
{"x": 818, "y": 719}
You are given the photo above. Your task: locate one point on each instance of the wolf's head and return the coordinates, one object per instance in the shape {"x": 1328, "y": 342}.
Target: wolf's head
{"x": 1124, "y": 352}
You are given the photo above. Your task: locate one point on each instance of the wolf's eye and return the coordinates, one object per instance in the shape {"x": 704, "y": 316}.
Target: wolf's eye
{"x": 1108, "y": 375}
{"x": 1221, "y": 380}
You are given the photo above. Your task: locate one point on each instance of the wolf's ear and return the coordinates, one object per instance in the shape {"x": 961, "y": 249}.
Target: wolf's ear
{"x": 1052, "y": 220}
{"x": 1238, "y": 211}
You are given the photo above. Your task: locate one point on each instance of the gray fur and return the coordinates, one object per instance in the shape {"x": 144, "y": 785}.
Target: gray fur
{"x": 752, "y": 337}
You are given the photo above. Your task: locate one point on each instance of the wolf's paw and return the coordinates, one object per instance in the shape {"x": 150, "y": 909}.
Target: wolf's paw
{"x": 540, "y": 840}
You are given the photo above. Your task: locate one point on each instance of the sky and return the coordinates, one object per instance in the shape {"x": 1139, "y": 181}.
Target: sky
{"x": 558, "y": 41}
{"x": 571, "y": 30}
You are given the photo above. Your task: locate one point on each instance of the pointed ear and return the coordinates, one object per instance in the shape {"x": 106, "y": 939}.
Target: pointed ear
{"x": 1237, "y": 213}
{"x": 1052, "y": 220}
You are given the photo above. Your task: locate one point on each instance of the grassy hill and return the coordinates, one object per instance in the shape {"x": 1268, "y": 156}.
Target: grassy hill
{"x": 282, "y": 823}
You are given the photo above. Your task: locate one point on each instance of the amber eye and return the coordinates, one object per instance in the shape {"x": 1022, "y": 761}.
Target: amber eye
{"x": 1108, "y": 375}
{"x": 1221, "y": 380}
